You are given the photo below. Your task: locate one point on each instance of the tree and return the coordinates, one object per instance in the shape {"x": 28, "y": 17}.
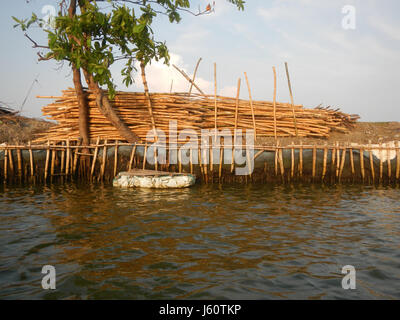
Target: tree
{"x": 91, "y": 38}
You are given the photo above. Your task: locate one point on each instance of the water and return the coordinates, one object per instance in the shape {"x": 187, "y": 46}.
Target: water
{"x": 207, "y": 242}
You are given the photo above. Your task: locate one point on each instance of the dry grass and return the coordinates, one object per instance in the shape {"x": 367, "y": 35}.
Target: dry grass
{"x": 16, "y": 129}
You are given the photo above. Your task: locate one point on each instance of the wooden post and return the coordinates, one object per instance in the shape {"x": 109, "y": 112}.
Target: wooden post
{"x": 380, "y": 162}
{"x": 389, "y": 165}
{"x": 292, "y": 162}
{"x": 301, "y": 159}
{"x": 5, "y": 164}
{"x": 31, "y": 159}
{"x": 352, "y": 162}
{"x": 324, "y": 163}
{"x": 276, "y": 158}
{"x": 103, "y": 164}
{"x": 362, "y": 164}
{"x": 371, "y": 162}
{"x": 179, "y": 160}
{"x": 68, "y": 158}
{"x": 115, "y": 158}
{"x": 338, "y": 159}
{"x": 191, "y": 160}
{"x": 291, "y": 98}
{"x": 155, "y": 158}
{"x": 221, "y": 155}
{"x": 76, "y": 157}
{"x": 194, "y": 77}
{"x": 19, "y": 161}
{"x": 333, "y": 159}
{"x": 314, "y": 161}
{"x": 96, "y": 151}
{"x": 46, "y": 167}
{"x": 282, "y": 167}
{"x": 342, "y": 163}
{"x": 215, "y": 100}
{"x": 144, "y": 156}
{"x": 53, "y": 159}
{"x": 275, "y": 134}
{"x": 236, "y": 123}
{"x": 11, "y": 160}
{"x": 251, "y": 106}
{"x": 132, "y": 157}
{"x": 397, "y": 160}
{"x": 62, "y": 158}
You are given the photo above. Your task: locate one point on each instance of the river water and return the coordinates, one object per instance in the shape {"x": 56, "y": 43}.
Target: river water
{"x": 206, "y": 242}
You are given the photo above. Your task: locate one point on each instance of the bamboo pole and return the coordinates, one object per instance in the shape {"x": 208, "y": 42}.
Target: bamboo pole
{"x": 191, "y": 159}
{"x": 362, "y": 164}
{"x": 292, "y": 161}
{"x": 324, "y": 163}
{"x": 96, "y": 151}
{"x": 144, "y": 156}
{"x": 62, "y": 158}
{"x": 380, "y": 162}
{"x": 291, "y": 98}
{"x": 19, "y": 162}
{"x": 282, "y": 168}
{"x": 314, "y": 160}
{"x": 53, "y": 158}
{"x": 155, "y": 158}
{"x": 76, "y": 157}
{"x": 149, "y": 104}
{"x": 371, "y": 162}
{"x": 276, "y": 158}
{"x": 188, "y": 79}
{"x": 11, "y": 161}
{"x": 68, "y": 158}
{"x": 104, "y": 160}
{"x": 194, "y": 77}
{"x": 215, "y": 100}
{"x": 180, "y": 160}
{"x": 31, "y": 159}
{"x": 115, "y": 158}
{"x": 5, "y": 164}
{"x": 352, "y": 162}
{"x": 46, "y": 167}
{"x": 273, "y": 69}
{"x": 342, "y": 163}
{"x": 397, "y": 160}
{"x": 301, "y": 159}
{"x": 236, "y": 123}
{"x": 221, "y": 156}
{"x": 132, "y": 157}
{"x": 389, "y": 165}
{"x": 251, "y": 106}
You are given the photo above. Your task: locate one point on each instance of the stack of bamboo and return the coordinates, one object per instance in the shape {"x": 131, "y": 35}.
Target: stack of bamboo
{"x": 191, "y": 112}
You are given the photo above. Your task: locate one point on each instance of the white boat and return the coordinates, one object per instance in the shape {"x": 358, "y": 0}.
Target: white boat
{"x": 153, "y": 179}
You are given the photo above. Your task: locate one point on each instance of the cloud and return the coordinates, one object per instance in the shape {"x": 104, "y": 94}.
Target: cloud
{"x": 160, "y": 77}
{"x": 389, "y": 30}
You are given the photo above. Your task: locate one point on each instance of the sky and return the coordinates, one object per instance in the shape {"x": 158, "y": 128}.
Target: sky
{"x": 340, "y": 58}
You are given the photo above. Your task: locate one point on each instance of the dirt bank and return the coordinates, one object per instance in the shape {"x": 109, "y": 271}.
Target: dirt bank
{"x": 362, "y": 132}
{"x": 15, "y": 129}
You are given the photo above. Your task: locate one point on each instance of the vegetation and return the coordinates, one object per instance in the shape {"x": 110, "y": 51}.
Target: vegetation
{"x": 91, "y": 38}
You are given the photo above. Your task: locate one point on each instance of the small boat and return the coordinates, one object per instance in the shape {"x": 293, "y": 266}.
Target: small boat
{"x": 153, "y": 179}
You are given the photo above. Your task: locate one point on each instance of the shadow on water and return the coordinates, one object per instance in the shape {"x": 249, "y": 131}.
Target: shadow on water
{"x": 208, "y": 242}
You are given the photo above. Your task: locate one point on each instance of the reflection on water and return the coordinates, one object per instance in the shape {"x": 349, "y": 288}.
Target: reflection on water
{"x": 208, "y": 242}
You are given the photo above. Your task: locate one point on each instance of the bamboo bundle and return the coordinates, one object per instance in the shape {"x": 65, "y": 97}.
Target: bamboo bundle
{"x": 191, "y": 112}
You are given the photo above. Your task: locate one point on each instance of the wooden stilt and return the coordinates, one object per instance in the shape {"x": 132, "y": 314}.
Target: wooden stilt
{"x": 292, "y": 162}
{"x": 115, "y": 158}
{"x": 96, "y": 151}
{"x": 180, "y": 160}
{"x": 155, "y": 158}
{"x": 53, "y": 159}
{"x": 19, "y": 162}
{"x": 221, "y": 158}
{"x": 31, "y": 159}
{"x": 301, "y": 159}
{"x": 371, "y": 162}
{"x": 236, "y": 123}
{"x": 314, "y": 161}
{"x": 5, "y": 164}
{"x": 46, "y": 166}
{"x": 67, "y": 161}
{"x": 338, "y": 159}
{"x": 389, "y": 165}
{"x": 342, "y": 163}
{"x": 380, "y": 162}
{"x": 145, "y": 156}
{"x": 276, "y": 158}
{"x": 362, "y": 164}
{"x": 191, "y": 160}
{"x": 324, "y": 163}
{"x": 11, "y": 161}
{"x": 397, "y": 161}
{"x": 104, "y": 160}
{"x": 352, "y": 162}
{"x": 132, "y": 157}
{"x": 76, "y": 157}
{"x": 282, "y": 167}
{"x": 62, "y": 165}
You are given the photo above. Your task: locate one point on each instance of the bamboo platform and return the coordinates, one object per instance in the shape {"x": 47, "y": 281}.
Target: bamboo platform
{"x": 101, "y": 162}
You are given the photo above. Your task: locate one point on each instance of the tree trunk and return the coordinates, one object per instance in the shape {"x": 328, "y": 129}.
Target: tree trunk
{"x": 107, "y": 110}
{"x": 83, "y": 107}
{"x": 146, "y": 92}
{"x": 82, "y": 102}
